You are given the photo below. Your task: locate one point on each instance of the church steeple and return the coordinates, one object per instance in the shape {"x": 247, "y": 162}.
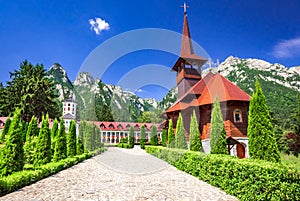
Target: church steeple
{"x": 186, "y": 42}
{"x": 188, "y": 66}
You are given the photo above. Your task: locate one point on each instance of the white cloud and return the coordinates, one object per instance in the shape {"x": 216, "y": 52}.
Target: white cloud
{"x": 98, "y": 25}
{"x": 287, "y": 48}
{"x": 139, "y": 90}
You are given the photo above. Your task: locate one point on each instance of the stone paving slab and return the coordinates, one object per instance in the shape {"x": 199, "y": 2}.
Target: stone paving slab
{"x": 120, "y": 174}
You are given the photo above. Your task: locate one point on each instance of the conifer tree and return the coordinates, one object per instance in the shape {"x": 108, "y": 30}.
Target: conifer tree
{"x": 33, "y": 129}
{"x": 88, "y": 137}
{"x": 30, "y": 149}
{"x": 171, "y": 135}
{"x": 79, "y": 146}
{"x": 33, "y": 92}
{"x": 164, "y": 138}
{"x": 153, "y": 136}
{"x": 24, "y": 129}
{"x": 13, "y": 153}
{"x": 217, "y": 132}
{"x": 60, "y": 150}
{"x": 43, "y": 152}
{"x": 54, "y": 132}
{"x": 262, "y": 141}
{"x": 71, "y": 140}
{"x": 31, "y": 140}
{"x": 54, "y": 129}
{"x": 142, "y": 137}
{"x": 5, "y": 129}
{"x": 195, "y": 141}
{"x": 131, "y": 137}
{"x": 180, "y": 138}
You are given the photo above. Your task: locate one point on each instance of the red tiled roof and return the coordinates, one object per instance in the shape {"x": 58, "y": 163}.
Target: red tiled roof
{"x": 3, "y": 119}
{"x": 177, "y": 107}
{"x": 211, "y": 86}
{"x": 219, "y": 86}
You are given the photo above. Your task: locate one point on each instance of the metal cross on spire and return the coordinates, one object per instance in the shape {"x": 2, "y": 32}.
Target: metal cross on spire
{"x": 184, "y": 7}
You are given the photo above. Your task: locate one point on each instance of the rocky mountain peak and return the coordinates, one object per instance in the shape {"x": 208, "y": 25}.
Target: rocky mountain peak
{"x": 84, "y": 79}
{"x": 57, "y": 67}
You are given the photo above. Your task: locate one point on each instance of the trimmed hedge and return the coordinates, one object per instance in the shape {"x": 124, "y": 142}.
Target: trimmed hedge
{"x": 247, "y": 179}
{"x": 23, "y": 178}
{"x": 124, "y": 145}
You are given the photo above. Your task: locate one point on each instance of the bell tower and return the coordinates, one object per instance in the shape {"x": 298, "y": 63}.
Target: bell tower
{"x": 188, "y": 66}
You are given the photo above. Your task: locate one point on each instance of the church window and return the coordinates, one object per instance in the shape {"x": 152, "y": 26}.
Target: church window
{"x": 237, "y": 115}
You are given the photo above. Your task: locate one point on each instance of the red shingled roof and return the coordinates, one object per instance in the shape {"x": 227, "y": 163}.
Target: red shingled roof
{"x": 219, "y": 86}
{"x": 211, "y": 86}
{"x": 178, "y": 106}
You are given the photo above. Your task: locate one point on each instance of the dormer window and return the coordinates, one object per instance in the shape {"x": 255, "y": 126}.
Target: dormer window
{"x": 237, "y": 115}
{"x": 111, "y": 126}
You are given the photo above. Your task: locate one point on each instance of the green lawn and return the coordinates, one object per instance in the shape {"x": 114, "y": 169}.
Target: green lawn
{"x": 291, "y": 159}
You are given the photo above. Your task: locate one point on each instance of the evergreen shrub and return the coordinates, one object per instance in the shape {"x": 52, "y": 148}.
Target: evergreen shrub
{"x": 247, "y": 179}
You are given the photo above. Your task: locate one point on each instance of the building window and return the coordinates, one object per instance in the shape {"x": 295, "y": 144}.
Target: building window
{"x": 237, "y": 115}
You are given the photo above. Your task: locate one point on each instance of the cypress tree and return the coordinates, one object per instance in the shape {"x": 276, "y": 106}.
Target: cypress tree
{"x": 164, "y": 138}
{"x": 171, "y": 135}
{"x": 153, "y": 136}
{"x": 180, "y": 138}
{"x": 31, "y": 140}
{"x": 30, "y": 149}
{"x": 88, "y": 137}
{"x": 60, "y": 150}
{"x": 143, "y": 137}
{"x": 43, "y": 152}
{"x": 82, "y": 126}
{"x": 262, "y": 141}
{"x": 79, "y": 146}
{"x": 97, "y": 137}
{"x": 24, "y": 129}
{"x": 54, "y": 129}
{"x": 217, "y": 132}
{"x": 71, "y": 140}
{"x": 54, "y": 132}
{"x": 5, "y": 129}
{"x": 131, "y": 137}
{"x": 13, "y": 153}
{"x": 195, "y": 141}
{"x": 33, "y": 129}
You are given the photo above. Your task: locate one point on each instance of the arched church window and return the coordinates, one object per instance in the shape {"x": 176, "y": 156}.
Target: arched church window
{"x": 237, "y": 115}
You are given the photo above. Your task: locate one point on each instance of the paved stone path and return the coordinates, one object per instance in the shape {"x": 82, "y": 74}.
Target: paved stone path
{"x": 120, "y": 174}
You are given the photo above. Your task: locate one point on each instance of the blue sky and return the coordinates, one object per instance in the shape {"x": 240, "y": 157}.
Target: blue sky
{"x": 61, "y": 31}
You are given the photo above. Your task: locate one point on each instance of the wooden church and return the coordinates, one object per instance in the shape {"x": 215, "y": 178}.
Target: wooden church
{"x": 197, "y": 93}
